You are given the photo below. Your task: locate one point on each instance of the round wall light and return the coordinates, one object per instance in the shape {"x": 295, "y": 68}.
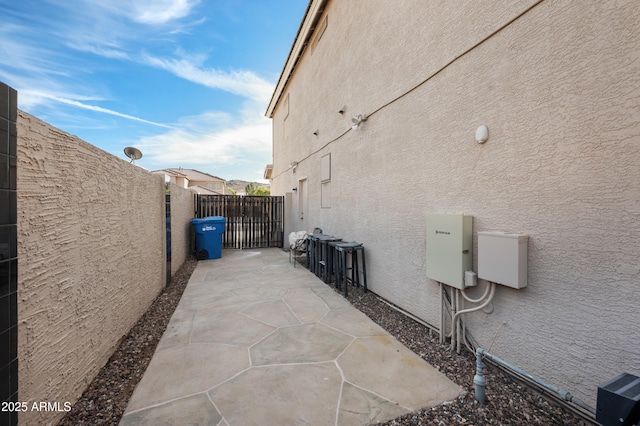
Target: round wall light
{"x": 482, "y": 134}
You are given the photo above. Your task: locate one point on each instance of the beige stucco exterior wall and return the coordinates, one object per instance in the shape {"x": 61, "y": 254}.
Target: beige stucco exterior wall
{"x": 559, "y": 89}
{"x": 182, "y": 209}
{"x": 91, "y": 246}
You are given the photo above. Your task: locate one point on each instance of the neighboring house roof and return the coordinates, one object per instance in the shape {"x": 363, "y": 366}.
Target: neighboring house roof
{"x": 305, "y": 32}
{"x": 191, "y": 174}
{"x": 200, "y": 176}
{"x": 201, "y": 190}
{"x": 171, "y": 172}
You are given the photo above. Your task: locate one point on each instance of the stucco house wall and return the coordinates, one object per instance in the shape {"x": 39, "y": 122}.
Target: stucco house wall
{"x": 91, "y": 244}
{"x": 182, "y": 211}
{"x": 557, "y": 84}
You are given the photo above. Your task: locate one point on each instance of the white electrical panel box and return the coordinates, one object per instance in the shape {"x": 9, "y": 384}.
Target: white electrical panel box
{"x": 449, "y": 245}
{"x": 502, "y": 258}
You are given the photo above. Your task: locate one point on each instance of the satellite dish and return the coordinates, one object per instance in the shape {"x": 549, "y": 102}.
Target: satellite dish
{"x": 132, "y": 153}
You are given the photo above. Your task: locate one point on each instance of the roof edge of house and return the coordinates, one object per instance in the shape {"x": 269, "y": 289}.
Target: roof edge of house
{"x": 305, "y": 31}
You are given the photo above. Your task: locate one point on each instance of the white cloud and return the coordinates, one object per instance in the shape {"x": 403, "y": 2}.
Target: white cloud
{"x": 210, "y": 139}
{"x": 160, "y": 11}
{"x": 150, "y": 12}
{"x": 44, "y": 92}
{"x": 100, "y": 49}
{"x": 107, "y": 111}
{"x": 115, "y": 28}
{"x": 27, "y": 56}
{"x": 243, "y": 83}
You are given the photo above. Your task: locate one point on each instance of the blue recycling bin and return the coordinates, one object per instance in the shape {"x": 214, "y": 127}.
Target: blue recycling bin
{"x": 208, "y": 232}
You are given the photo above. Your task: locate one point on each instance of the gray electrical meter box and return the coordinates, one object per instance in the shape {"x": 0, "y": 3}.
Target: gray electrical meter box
{"x": 449, "y": 245}
{"x": 502, "y": 258}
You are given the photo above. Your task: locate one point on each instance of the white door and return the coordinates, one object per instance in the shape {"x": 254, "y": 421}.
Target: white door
{"x": 302, "y": 201}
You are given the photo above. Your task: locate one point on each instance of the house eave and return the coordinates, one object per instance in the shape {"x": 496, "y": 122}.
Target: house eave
{"x": 305, "y": 31}
{"x": 268, "y": 170}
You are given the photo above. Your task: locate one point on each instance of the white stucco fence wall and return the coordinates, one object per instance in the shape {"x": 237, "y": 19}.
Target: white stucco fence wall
{"x": 559, "y": 90}
{"x": 91, "y": 250}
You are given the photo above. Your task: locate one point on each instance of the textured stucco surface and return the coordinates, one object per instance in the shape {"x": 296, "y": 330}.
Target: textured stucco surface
{"x": 559, "y": 89}
{"x": 91, "y": 243}
{"x": 182, "y": 209}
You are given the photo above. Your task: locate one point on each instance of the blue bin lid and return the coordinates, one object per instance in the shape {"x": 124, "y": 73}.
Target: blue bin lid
{"x": 208, "y": 219}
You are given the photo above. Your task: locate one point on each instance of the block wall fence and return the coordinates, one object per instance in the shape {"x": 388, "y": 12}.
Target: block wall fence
{"x": 91, "y": 251}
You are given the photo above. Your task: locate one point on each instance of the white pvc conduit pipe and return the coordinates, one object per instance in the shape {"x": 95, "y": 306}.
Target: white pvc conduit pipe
{"x": 462, "y": 324}
{"x": 454, "y": 331}
{"x": 452, "y": 304}
{"x": 468, "y": 299}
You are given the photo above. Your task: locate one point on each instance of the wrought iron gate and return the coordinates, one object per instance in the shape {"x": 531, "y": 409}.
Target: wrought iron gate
{"x": 252, "y": 222}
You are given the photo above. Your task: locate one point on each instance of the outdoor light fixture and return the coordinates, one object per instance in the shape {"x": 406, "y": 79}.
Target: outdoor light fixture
{"x": 357, "y": 120}
{"x": 482, "y": 134}
{"x": 342, "y": 110}
{"x": 316, "y": 132}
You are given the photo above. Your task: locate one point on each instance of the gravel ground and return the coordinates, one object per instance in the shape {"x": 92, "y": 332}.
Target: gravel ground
{"x": 508, "y": 401}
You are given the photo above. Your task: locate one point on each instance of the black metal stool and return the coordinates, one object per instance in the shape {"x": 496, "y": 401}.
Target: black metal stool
{"x": 312, "y": 240}
{"x": 342, "y": 250}
{"x": 323, "y": 262}
{"x": 332, "y": 256}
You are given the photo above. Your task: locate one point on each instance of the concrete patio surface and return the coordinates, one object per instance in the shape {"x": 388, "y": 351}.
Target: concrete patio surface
{"x": 255, "y": 341}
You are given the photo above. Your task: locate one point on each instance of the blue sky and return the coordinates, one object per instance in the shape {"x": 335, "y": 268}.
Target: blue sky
{"x": 185, "y": 81}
